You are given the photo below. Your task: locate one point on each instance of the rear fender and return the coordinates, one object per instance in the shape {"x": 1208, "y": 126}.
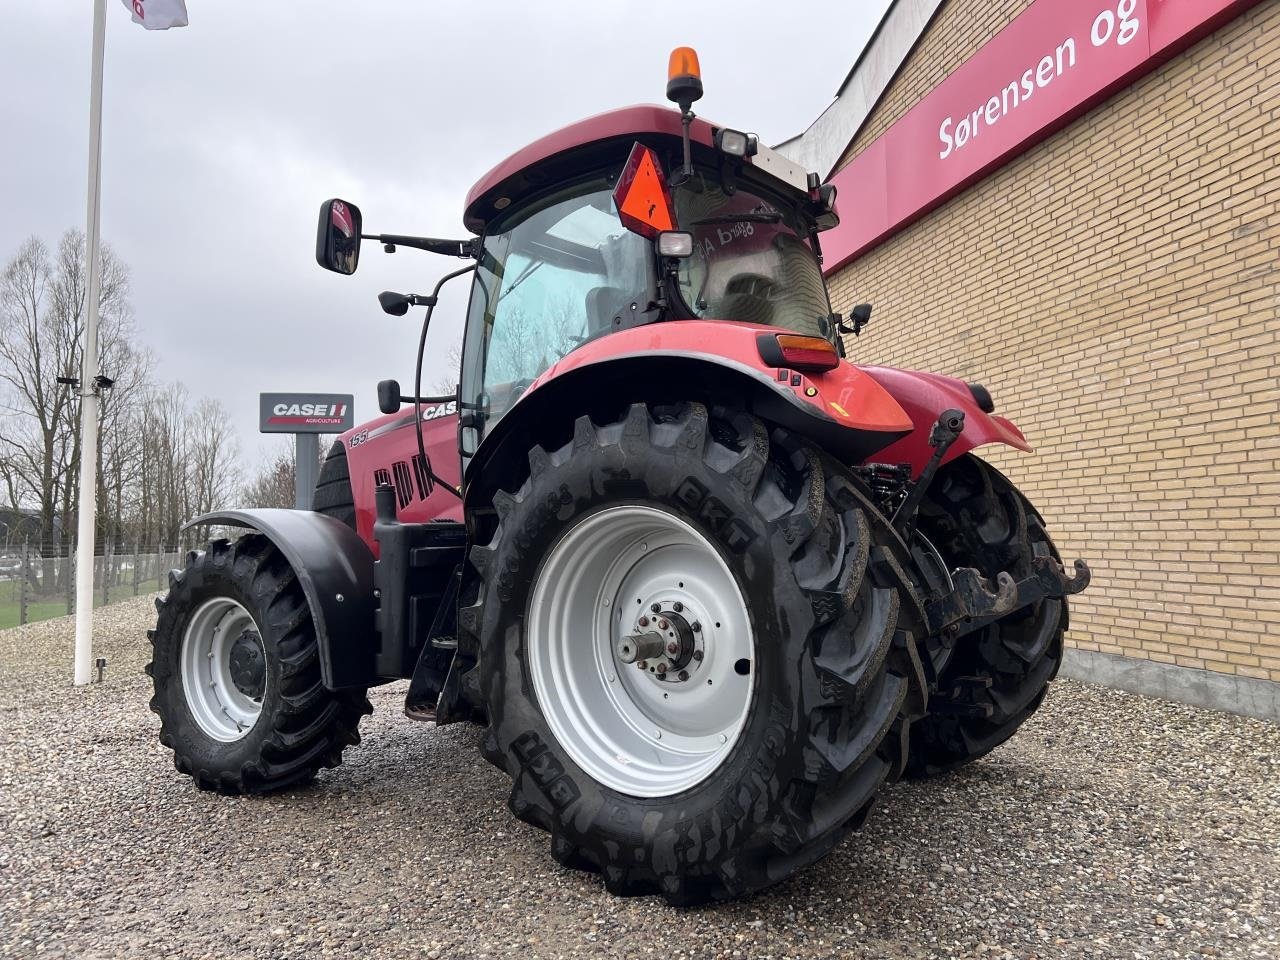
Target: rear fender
{"x": 924, "y": 396}
{"x": 335, "y": 570}
{"x": 844, "y": 411}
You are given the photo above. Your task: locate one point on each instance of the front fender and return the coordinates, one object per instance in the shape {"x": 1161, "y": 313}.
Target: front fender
{"x": 334, "y": 567}
{"x": 924, "y": 396}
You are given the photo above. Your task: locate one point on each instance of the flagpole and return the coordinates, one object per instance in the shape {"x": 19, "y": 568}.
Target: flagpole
{"x": 86, "y": 521}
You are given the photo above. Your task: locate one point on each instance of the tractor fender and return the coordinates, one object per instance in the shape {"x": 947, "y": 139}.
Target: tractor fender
{"x": 924, "y": 396}
{"x": 844, "y": 411}
{"x": 335, "y": 569}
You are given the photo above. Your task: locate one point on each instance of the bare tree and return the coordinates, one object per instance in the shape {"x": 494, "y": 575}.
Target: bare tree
{"x": 165, "y": 457}
{"x": 213, "y": 456}
{"x": 273, "y": 483}
{"x": 447, "y": 382}
{"x": 119, "y": 445}
{"x": 42, "y": 320}
{"x": 166, "y": 476}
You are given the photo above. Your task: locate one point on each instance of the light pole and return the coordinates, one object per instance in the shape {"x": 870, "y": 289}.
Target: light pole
{"x": 87, "y": 518}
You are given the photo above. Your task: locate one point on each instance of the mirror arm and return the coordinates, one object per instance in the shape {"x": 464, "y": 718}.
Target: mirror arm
{"x": 449, "y": 248}
{"x": 390, "y": 399}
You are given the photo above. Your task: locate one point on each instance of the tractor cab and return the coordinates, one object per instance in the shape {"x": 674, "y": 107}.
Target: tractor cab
{"x": 634, "y": 217}
{"x": 631, "y": 237}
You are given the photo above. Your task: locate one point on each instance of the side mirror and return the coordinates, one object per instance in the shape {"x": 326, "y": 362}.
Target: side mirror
{"x": 859, "y": 317}
{"x": 338, "y": 236}
{"x": 388, "y": 396}
{"x": 396, "y": 304}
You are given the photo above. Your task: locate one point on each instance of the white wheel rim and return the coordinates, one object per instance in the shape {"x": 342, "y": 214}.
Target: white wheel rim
{"x": 221, "y": 707}
{"x": 629, "y": 728}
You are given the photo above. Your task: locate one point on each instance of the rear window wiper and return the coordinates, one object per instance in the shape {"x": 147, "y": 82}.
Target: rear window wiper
{"x": 752, "y": 217}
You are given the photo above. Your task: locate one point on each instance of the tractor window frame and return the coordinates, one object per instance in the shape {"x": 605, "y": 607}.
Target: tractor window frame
{"x": 477, "y": 416}
{"x": 734, "y": 180}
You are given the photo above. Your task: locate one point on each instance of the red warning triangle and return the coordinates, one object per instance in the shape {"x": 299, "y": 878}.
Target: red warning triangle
{"x": 641, "y": 196}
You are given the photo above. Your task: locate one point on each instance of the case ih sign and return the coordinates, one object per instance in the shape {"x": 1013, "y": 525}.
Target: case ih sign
{"x": 305, "y": 412}
{"x": 1051, "y": 64}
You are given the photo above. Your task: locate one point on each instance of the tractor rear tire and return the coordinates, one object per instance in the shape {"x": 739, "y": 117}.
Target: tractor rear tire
{"x": 821, "y": 672}
{"x": 236, "y": 670}
{"x": 977, "y": 518}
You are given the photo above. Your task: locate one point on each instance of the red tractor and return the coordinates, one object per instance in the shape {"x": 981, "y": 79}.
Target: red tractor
{"x": 707, "y": 585}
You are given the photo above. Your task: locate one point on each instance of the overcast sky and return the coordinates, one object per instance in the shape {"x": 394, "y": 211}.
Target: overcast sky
{"x": 221, "y": 140}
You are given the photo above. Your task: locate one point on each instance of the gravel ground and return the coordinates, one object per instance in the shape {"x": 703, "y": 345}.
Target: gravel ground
{"x": 1112, "y": 826}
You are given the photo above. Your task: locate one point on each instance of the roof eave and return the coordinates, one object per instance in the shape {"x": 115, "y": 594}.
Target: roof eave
{"x": 822, "y": 145}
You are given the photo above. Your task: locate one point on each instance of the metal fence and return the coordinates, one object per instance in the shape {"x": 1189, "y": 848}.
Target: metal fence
{"x": 35, "y": 585}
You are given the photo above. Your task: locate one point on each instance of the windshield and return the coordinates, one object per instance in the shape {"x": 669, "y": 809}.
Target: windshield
{"x": 752, "y": 259}
{"x": 565, "y": 273}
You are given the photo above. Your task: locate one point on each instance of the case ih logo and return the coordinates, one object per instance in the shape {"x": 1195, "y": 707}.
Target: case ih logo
{"x": 305, "y": 413}
{"x": 329, "y": 414}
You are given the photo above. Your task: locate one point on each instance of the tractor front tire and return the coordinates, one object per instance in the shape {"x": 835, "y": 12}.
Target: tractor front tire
{"x": 236, "y": 671}
{"x": 759, "y": 738}
{"x": 333, "y": 496}
{"x": 976, "y": 518}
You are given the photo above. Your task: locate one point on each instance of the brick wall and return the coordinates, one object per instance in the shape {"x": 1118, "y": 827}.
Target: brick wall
{"x": 1117, "y": 289}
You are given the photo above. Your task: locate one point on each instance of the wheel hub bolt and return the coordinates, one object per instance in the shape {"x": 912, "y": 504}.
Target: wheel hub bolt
{"x": 697, "y": 655}
{"x": 673, "y": 648}
{"x": 643, "y": 621}
{"x": 662, "y": 624}
{"x": 678, "y": 607}
{"x": 662, "y": 669}
{"x": 683, "y": 675}
{"x": 655, "y": 608}
{"x": 642, "y": 664}
{"x": 696, "y": 627}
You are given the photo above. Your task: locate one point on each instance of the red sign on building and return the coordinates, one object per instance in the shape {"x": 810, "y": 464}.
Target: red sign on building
{"x": 1052, "y": 63}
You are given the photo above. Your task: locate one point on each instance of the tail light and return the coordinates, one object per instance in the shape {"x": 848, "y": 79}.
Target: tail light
{"x": 797, "y": 352}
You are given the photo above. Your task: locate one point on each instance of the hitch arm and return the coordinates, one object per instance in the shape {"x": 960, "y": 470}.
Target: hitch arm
{"x": 973, "y": 605}
{"x": 946, "y": 431}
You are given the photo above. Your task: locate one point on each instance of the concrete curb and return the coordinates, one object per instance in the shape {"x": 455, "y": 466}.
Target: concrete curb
{"x": 1201, "y": 688}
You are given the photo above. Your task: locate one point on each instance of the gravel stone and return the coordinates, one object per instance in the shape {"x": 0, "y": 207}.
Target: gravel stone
{"x": 1112, "y": 826}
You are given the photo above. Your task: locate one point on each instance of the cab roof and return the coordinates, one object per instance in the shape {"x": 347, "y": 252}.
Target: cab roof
{"x": 509, "y": 178}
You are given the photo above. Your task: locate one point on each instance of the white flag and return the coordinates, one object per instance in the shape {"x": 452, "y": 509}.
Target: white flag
{"x": 158, "y": 14}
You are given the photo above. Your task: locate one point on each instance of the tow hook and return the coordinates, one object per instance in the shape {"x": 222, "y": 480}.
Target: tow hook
{"x": 973, "y": 604}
